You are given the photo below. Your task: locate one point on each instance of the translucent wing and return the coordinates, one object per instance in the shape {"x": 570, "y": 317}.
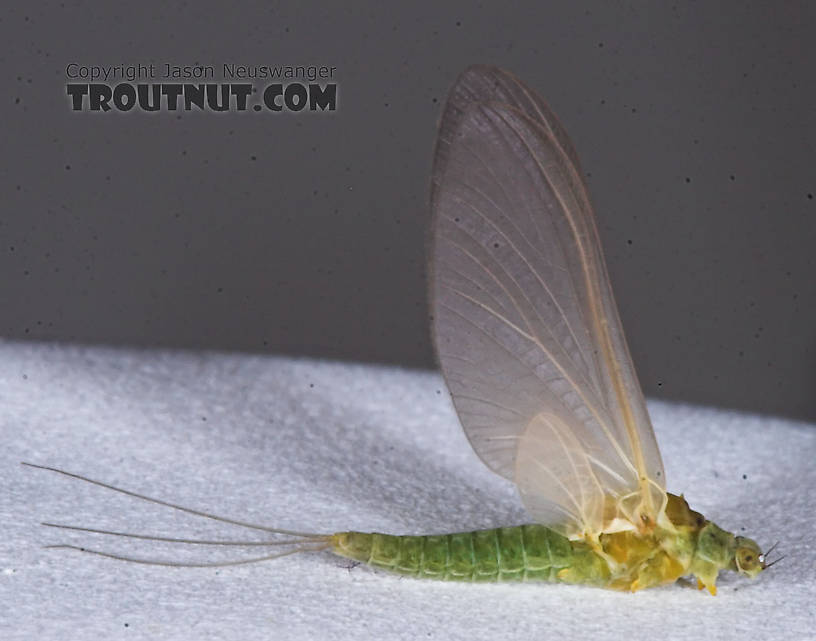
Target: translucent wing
{"x": 525, "y": 325}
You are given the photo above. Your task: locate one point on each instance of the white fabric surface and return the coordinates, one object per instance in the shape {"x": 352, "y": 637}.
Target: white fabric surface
{"x": 328, "y": 446}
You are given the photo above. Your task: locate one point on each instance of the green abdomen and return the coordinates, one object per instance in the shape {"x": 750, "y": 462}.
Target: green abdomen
{"x": 522, "y": 553}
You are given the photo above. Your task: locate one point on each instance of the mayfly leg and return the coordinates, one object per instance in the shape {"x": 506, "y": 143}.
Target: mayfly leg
{"x": 303, "y": 541}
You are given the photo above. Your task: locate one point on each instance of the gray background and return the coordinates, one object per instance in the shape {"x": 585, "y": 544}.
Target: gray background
{"x": 304, "y": 234}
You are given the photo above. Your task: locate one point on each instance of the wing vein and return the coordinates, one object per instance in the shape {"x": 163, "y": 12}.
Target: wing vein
{"x": 535, "y": 273}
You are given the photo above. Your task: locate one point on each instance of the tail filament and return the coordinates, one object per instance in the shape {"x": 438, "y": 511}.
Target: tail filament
{"x": 302, "y": 541}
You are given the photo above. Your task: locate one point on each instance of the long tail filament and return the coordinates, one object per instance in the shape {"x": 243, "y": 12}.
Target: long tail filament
{"x": 303, "y": 541}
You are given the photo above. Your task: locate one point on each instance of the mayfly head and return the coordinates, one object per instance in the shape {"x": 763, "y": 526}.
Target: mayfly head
{"x": 748, "y": 557}
{"x": 764, "y": 557}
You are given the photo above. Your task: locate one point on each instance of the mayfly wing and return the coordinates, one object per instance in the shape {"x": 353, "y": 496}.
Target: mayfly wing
{"x": 525, "y": 325}
{"x": 483, "y": 84}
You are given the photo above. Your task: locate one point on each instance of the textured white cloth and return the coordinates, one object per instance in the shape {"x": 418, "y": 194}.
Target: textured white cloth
{"x": 322, "y": 446}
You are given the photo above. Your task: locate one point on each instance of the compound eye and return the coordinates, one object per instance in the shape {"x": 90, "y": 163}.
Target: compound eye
{"x": 747, "y": 559}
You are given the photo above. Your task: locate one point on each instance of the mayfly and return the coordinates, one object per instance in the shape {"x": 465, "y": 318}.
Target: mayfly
{"x": 533, "y": 352}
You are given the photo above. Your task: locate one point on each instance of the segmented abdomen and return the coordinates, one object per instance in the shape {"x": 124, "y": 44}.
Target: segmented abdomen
{"x": 522, "y": 553}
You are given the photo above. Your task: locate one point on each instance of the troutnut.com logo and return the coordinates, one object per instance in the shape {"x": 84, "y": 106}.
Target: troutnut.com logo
{"x": 270, "y": 88}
